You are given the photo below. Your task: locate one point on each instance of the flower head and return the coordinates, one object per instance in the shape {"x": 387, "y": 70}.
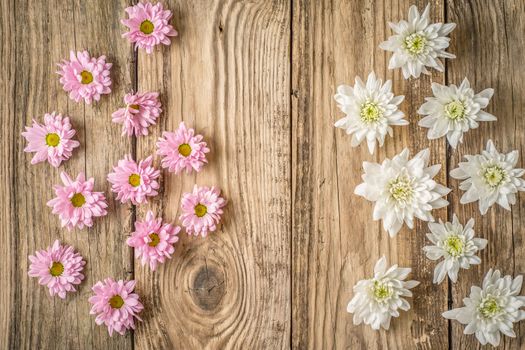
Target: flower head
{"x": 491, "y": 309}
{"x": 148, "y": 25}
{"x": 371, "y": 109}
{"x": 153, "y": 240}
{"x": 456, "y": 244}
{"x": 201, "y": 210}
{"x": 116, "y": 305}
{"x": 76, "y": 203}
{"x": 141, "y": 111}
{"x": 418, "y": 44}
{"x": 380, "y": 298}
{"x": 182, "y": 149}
{"x": 134, "y": 182}
{"x": 490, "y": 177}
{"x": 52, "y": 141}
{"x": 85, "y": 77}
{"x": 454, "y": 110}
{"x": 402, "y": 189}
{"x": 58, "y": 267}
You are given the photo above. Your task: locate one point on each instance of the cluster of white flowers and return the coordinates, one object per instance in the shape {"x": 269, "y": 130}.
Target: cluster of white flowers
{"x": 403, "y": 189}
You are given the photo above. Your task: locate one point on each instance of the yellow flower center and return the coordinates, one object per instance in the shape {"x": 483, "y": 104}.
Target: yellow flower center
{"x": 137, "y": 107}
{"x": 184, "y": 149}
{"x": 147, "y": 27}
{"x": 116, "y": 301}
{"x": 489, "y": 307}
{"x": 381, "y": 291}
{"x": 415, "y": 44}
{"x": 155, "y": 240}
{"x": 454, "y": 245}
{"x": 78, "y": 200}
{"x": 56, "y": 269}
{"x": 86, "y": 77}
{"x": 455, "y": 110}
{"x": 200, "y": 210}
{"x": 370, "y": 112}
{"x": 52, "y": 139}
{"x": 134, "y": 180}
{"x": 401, "y": 189}
{"x": 494, "y": 175}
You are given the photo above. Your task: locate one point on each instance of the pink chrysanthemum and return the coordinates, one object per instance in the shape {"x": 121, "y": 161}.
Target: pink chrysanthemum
{"x": 134, "y": 182}
{"x": 58, "y": 267}
{"x": 51, "y": 141}
{"x": 148, "y": 25}
{"x": 182, "y": 149}
{"x": 85, "y": 77}
{"x": 202, "y": 210}
{"x": 141, "y": 111}
{"x": 115, "y": 305}
{"x": 153, "y": 240}
{"x": 76, "y": 203}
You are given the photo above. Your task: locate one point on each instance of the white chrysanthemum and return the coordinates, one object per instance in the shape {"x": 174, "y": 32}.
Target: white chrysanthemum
{"x": 491, "y": 309}
{"x": 417, "y": 44}
{"x": 490, "y": 177}
{"x": 456, "y": 244}
{"x": 378, "y": 299}
{"x": 370, "y": 110}
{"x": 402, "y": 189}
{"x": 454, "y": 110}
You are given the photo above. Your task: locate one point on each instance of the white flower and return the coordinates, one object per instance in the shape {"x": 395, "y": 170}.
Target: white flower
{"x": 491, "y": 309}
{"x": 456, "y": 244}
{"x": 402, "y": 189}
{"x": 417, "y": 43}
{"x": 370, "y": 110}
{"x": 490, "y": 177}
{"x": 377, "y": 299}
{"x": 454, "y": 110}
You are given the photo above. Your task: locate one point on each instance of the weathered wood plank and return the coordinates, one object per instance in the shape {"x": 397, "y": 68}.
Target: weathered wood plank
{"x": 490, "y": 47}
{"x": 227, "y": 76}
{"x": 43, "y": 32}
{"x": 335, "y": 241}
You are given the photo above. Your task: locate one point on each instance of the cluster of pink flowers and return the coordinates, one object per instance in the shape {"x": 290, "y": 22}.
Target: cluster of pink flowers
{"x": 76, "y": 203}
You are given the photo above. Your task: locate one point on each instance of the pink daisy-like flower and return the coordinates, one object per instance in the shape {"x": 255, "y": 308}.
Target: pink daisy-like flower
{"x": 134, "y": 182}
{"x": 148, "y": 25}
{"x": 153, "y": 240}
{"x": 76, "y": 203}
{"x": 182, "y": 149}
{"x": 51, "y": 141}
{"x": 58, "y": 267}
{"x": 85, "y": 77}
{"x": 115, "y": 305}
{"x": 201, "y": 210}
{"x": 141, "y": 111}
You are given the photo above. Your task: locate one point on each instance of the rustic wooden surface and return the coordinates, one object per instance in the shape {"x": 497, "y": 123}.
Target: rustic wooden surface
{"x": 257, "y": 79}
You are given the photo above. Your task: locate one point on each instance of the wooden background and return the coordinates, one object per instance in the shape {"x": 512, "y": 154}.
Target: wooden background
{"x": 257, "y": 78}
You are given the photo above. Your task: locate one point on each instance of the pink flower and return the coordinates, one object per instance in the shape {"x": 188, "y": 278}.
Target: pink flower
{"x": 141, "y": 111}
{"x": 51, "y": 141}
{"x": 59, "y": 268}
{"x": 85, "y": 77}
{"x": 148, "y": 25}
{"x": 202, "y": 210}
{"x": 132, "y": 182}
{"x": 115, "y": 305}
{"x": 76, "y": 203}
{"x": 182, "y": 149}
{"x": 153, "y": 241}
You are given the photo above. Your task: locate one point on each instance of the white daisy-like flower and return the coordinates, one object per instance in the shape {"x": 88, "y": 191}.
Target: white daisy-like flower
{"x": 371, "y": 109}
{"x": 418, "y": 44}
{"x": 456, "y": 244}
{"x": 402, "y": 189}
{"x": 491, "y": 309}
{"x": 380, "y": 298}
{"x": 454, "y": 110}
{"x": 490, "y": 177}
